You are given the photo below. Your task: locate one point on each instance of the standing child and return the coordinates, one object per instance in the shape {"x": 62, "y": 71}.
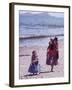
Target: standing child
{"x": 34, "y": 66}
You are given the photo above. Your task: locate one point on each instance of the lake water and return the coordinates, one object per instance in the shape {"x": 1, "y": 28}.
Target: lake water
{"x": 39, "y": 41}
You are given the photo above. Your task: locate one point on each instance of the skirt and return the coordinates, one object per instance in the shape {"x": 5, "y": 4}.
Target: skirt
{"x": 50, "y": 61}
{"x": 34, "y": 68}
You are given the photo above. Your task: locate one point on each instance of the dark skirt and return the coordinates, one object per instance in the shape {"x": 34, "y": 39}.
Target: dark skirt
{"x": 34, "y": 68}
{"x": 50, "y": 61}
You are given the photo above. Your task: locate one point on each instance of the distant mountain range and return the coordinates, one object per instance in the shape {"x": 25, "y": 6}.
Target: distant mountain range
{"x": 41, "y": 19}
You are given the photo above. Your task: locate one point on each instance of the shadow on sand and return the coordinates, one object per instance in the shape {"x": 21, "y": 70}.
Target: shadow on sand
{"x": 36, "y": 74}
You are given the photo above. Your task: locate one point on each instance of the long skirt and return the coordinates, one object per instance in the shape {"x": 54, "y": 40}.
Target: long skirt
{"x": 51, "y": 61}
{"x": 34, "y": 68}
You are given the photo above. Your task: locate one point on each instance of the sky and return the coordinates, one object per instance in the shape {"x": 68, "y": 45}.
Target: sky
{"x": 55, "y": 14}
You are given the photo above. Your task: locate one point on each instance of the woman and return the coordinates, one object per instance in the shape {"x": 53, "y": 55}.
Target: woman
{"x": 51, "y": 55}
{"x": 34, "y": 66}
{"x": 48, "y": 52}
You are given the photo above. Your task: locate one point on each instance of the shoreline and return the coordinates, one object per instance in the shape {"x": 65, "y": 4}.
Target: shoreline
{"x": 40, "y": 36}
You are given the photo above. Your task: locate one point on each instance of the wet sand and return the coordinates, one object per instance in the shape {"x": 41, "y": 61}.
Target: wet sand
{"x": 25, "y": 60}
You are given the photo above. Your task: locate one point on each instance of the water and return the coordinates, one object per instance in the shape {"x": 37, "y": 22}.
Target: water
{"x": 36, "y": 42}
{"x": 40, "y": 31}
{"x": 39, "y": 41}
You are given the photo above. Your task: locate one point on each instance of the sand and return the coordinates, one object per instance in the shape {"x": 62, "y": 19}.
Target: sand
{"x": 25, "y": 60}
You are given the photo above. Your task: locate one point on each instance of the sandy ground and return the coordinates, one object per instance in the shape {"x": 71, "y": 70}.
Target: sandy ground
{"x": 25, "y": 60}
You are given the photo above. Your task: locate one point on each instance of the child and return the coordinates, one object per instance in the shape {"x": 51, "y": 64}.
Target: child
{"x": 34, "y": 66}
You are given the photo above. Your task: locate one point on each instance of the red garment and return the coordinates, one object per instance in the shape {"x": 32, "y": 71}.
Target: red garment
{"x": 52, "y": 53}
{"x": 52, "y": 57}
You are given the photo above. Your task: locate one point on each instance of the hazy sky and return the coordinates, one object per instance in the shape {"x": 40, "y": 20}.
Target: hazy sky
{"x": 56, "y": 14}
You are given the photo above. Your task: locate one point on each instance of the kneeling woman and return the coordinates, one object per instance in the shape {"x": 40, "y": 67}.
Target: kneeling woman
{"x": 34, "y": 66}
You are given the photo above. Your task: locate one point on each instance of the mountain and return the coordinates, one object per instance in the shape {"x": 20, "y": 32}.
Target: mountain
{"x": 42, "y": 19}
